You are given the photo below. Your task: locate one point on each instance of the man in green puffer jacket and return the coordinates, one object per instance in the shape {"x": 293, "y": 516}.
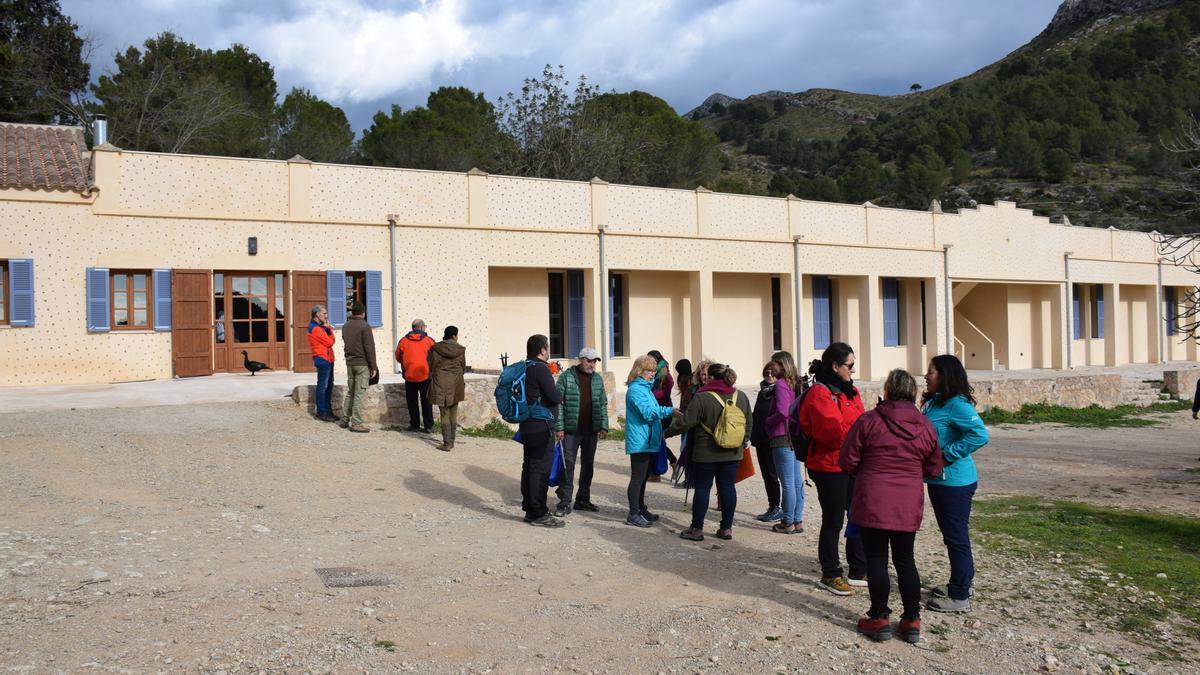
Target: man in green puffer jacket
{"x": 582, "y": 420}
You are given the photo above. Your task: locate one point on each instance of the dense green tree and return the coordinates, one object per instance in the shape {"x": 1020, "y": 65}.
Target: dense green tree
{"x": 176, "y": 97}
{"x": 43, "y": 64}
{"x": 639, "y": 139}
{"x": 922, "y": 178}
{"x": 167, "y": 99}
{"x": 863, "y": 179}
{"x": 1058, "y": 165}
{"x": 312, "y": 128}
{"x": 1020, "y": 153}
{"x": 251, "y": 80}
{"x": 457, "y": 130}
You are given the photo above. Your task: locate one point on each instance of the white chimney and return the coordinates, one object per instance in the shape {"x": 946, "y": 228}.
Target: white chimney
{"x": 99, "y": 131}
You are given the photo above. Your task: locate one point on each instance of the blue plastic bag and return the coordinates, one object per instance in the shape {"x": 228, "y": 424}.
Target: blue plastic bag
{"x": 558, "y": 467}
{"x": 661, "y": 462}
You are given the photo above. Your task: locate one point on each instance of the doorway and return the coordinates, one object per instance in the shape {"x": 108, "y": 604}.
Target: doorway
{"x": 249, "y": 314}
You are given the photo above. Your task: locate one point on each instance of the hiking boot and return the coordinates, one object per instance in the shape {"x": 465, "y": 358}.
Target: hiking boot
{"x": 857, "y": 580}
{"x": 835, "y": 585}
{"x": 771, "y": 514}
{"x": 546, "y": 520}
{"x": 444, "y": 448}
{"x": 942, "y": 592}
{"x": 692, "y": 534}
{"x": 414, "y": 428}
{"x": 637, "y": 520}
{"x": 343, "y": 423}
{"x": 358, "y": 428}
{"x": 949, "y": 605}
{"x": 562, "y": 510}
{"x": 645, "y": 513}
{"x": 878, "y": 630}
{"x": 725, "y": 534}
{"x": 429, "y": 430}
{"x": 783, "y": 527}
{"x": 910, "y": 630}
{"x": 586, "y": 506}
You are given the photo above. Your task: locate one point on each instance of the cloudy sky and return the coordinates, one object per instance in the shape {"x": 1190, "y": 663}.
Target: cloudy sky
{"x": 364, "y": 55}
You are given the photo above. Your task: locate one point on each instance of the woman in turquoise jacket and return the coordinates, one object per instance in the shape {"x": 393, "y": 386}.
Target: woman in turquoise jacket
{"x": 950, "y": 405}
{"x": 643, "y": 435}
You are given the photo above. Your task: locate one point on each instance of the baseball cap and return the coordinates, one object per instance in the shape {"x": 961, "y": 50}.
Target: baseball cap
{"x": 589, "y": 354}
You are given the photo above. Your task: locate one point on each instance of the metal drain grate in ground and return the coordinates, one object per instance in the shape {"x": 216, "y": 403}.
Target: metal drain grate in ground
{"x": 349, "y": 577}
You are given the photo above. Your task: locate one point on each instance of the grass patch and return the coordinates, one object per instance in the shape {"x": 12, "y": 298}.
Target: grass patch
{"x": 1118, "y": 554}
{"x": 1092, "y": 416}
{"x": 386, "y": 644}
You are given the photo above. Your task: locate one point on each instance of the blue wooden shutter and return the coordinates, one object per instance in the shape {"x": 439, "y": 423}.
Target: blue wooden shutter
{"x": 335, "y": 293}
{"x": 575, "y": 319}
{"x": 20, "y": 292}
{"x": 891, "y": 312}
{"x": 97, "y": 300}
{"x": 1099, "y": 311}
{"x": 162, "y": 299}
{"x": 1172, "y": 312}
{"x": 821, "y": 312}
{"x": 374, "y": 298}
{"x": 1076, "y": 319}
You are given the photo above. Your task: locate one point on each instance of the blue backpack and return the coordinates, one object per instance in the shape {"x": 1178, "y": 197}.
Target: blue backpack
{"x": 510, "y": 395}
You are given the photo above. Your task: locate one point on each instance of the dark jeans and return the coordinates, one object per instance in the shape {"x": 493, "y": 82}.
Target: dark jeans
{"x": 766, "y": 466}
{"x": 413, "y": 390}
{"x": 952, "y": 507}
{"x": 324, "y": 386}
{"x": 585, "y": 446}
{"x": 535, "y": 472}
{"x": 833, "y": 492}
{"x": 875, "y": 545}
{"x": 702, "y": 475}
{"x": 640, "y": 465}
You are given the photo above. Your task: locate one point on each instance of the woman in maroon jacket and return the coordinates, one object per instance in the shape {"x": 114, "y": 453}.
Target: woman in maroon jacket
{"x": 891, "y": 450}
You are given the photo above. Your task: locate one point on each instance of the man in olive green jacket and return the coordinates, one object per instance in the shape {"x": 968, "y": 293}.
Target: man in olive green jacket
{"x": 582, "y": 419}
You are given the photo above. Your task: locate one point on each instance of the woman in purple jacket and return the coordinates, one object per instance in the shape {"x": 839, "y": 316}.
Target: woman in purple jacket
{"x": 787, "y": 465}
{"x": 891, "y": 450}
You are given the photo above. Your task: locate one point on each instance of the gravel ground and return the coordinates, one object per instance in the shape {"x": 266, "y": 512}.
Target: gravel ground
{"x": 186, "y": 538}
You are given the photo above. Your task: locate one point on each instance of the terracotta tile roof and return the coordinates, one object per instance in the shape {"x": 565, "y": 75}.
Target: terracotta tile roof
{"x": 41, "y": 157}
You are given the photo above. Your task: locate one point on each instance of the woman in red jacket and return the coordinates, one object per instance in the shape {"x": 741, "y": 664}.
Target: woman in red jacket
{"x": 830, "y": 406}
{"x": 890, "y": 450}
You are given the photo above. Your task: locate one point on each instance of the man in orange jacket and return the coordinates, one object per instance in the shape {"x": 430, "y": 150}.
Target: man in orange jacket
{"x": 320, "y": 341}
{"x": 413, "y": 354}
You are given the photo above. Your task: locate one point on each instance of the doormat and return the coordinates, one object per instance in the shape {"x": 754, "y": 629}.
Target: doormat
{"x": 349, "y": 577}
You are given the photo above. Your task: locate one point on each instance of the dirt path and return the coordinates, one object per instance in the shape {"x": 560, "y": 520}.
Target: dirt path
{"x": 186, "y": 538}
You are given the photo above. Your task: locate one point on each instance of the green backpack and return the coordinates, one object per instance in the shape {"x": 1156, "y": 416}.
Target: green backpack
{"x": 730, "y": 430}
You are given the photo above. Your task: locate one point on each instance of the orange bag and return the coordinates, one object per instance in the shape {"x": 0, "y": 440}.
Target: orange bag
{"x": 745, "y": 468}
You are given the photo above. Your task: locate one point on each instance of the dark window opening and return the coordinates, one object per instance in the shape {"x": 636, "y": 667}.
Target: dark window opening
{"x": 776, "y": 314}
{"x": 618, "y": 311}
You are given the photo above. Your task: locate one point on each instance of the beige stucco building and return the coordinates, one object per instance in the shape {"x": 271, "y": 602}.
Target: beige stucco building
{"x": 161, "y": 265}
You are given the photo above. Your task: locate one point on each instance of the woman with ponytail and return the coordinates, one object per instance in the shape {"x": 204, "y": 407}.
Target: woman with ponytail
{"x": 709, "y": 460}
{"x": 828, "y": 411}
{"x": 787, "y": 466}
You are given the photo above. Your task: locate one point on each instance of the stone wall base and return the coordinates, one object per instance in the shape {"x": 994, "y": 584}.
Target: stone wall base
{"x": 387, "y": 404}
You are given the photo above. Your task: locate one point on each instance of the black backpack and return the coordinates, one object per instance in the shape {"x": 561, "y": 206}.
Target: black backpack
{"x": 800, "y": 441}
{"x": 762, "y": 408}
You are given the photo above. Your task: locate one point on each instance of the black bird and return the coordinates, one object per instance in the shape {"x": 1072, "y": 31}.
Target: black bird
{"x": 253, "y": 366}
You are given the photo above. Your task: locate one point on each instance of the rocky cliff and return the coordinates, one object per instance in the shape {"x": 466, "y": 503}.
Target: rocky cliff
{"x": 1072, "y": 13}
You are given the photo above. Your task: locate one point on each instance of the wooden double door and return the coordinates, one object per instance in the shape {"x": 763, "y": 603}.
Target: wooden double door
{"x": 250, "y": 314}
{"x": 217, "y": 315}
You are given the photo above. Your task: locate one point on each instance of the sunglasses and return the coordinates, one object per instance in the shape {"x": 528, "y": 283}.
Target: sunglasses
{"x": 849, "y": 366}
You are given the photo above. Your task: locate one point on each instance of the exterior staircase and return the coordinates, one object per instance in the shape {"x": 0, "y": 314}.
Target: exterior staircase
{"x": 1142, "y": 392}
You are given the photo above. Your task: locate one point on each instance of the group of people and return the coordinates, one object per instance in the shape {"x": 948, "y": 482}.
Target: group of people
{"x": 433, "y": 372}
{"x": 870, "y": 469}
